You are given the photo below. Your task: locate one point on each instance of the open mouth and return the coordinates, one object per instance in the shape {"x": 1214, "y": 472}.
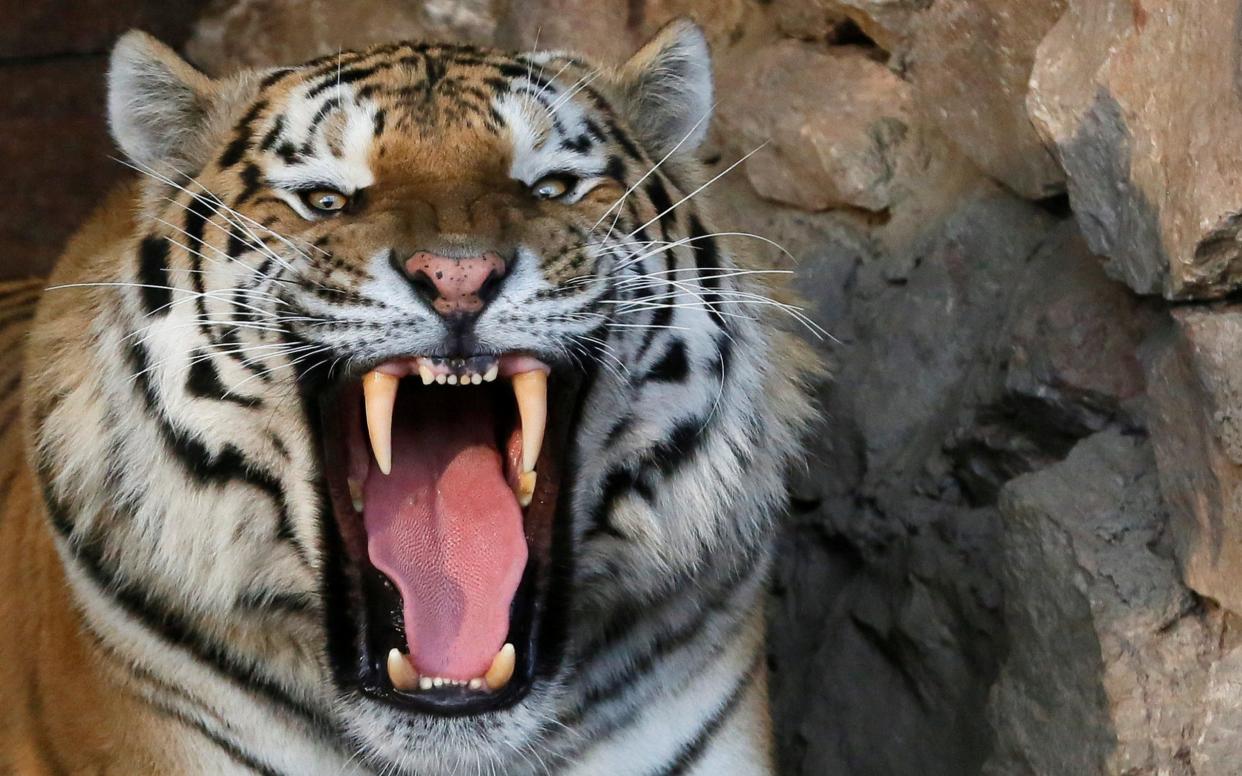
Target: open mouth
{"x": 444, "y": 475}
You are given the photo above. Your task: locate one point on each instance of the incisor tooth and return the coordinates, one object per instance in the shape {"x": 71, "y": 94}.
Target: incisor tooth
{"x": 502, "y": 668}
{"x": 531, "y": 390}
{"x": 380, "y": 393}
{"x": 424, "y": 683}
{"x": 525, "y": 488}
{"x": 425, "y": 372}
{"x": 475, "y": 684}
{"x": 441, "y": 379}
{"x": 491, "y": 373}
{"x": 400, "y": 672}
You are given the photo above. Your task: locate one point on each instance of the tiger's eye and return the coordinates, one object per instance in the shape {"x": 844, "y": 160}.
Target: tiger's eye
{"x": 551, "y": 187}
{"x": 325, "y": 200}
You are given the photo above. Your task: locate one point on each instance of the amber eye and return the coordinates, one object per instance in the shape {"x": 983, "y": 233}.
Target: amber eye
{"x": 553, "y": 186}
{"x": 325, "y": 200}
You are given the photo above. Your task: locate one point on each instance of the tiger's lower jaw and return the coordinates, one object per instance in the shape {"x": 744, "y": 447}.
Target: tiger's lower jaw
{"x": 446, "y": 571}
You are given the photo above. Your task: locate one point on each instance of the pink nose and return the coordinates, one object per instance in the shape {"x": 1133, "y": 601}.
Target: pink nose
{"x": 456, "y": 286}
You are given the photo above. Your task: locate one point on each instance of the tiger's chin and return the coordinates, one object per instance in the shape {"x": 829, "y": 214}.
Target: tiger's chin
{"x": 446, "y": 571}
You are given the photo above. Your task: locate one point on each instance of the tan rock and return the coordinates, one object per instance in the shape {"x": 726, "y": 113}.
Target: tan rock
{"x": 263, "y": 33}
{"x": 807, "y": 19}
{"x": 610, "y": 30}
{"x": 1140, "y": 100}
{"x": 890, "y": 23}
{"x": 834, "y": 123}
{"x": 1195, "y": 384}
{"x": 970, "y": 64}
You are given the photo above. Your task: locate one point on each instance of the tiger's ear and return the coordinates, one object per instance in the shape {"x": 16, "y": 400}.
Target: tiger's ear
{"x": 158, "y": 104}
{"x": 667, "y": 88}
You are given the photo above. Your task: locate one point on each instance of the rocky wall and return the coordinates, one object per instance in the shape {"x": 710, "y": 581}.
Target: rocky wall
{"x": 1015, "y": 548}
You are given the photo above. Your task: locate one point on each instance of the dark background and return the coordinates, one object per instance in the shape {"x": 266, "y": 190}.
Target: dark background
{"x": 55, "y": 153}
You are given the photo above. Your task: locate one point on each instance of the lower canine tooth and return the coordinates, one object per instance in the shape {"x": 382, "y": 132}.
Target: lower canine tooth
{"x": 526, "y": 488}
{"x": 400, "y": 672}
{"x": 502, "y": 668}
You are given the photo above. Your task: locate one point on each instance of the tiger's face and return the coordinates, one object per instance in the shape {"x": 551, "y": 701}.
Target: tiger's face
{"x": 444, "y": 383}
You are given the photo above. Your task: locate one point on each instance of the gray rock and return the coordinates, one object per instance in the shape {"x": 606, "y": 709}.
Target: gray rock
{"x": 1109, "y": 653}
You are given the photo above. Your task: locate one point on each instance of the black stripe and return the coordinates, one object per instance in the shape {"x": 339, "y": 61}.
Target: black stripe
{"x": 166, "y": 623}
{"x": 642, "y": 659}
{"x": 673, "y": 366}
{"x": 692, "y": 751}
{"x": 273, "y": 134}
{"x": 153, "y": 274}
{"x": 346, "y": 76}
{"x": 599, "y": 521}
{"x": 204, "y": 382}
{"x": 235, "y": 752}
{"x": 707, "y": 261}
{"x": 141, "y": 675}
{"x": 252, "y": 179}
{"x": 229, "y": 465}
{"x": 241, "y": 139}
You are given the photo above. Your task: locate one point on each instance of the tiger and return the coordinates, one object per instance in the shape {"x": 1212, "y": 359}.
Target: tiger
{"x": 402, "y": 414}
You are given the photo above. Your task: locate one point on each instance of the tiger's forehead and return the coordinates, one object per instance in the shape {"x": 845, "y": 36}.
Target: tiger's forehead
{"x": 436, "y": 112}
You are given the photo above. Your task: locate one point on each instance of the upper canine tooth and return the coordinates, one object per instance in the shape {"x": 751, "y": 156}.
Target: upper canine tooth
{"x": 502, "y": 667}
{"x": 400, "y": 672}
{"x": 380, "y": 393}
{"x": 531, "y": 390}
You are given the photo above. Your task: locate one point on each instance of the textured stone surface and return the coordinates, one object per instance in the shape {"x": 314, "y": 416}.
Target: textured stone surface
{"x": 1141, "y": 103}
{"x": 888, "y": 573}
{"x": 1068, "y": 365}
{"x": 263, "y": 33}
{"x": 970, "y": 64}
{"x": 834, "y": 123}
{"x": 1109, "y": 654}
{"x": 1196, "y": 392}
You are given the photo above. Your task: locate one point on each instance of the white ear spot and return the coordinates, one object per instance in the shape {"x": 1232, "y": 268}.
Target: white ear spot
{"x": 668, "y": 88}
{"x": 157, "y": 102}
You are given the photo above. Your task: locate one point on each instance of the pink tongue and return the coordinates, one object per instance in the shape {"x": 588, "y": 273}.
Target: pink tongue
{"x": 447, "y": 530}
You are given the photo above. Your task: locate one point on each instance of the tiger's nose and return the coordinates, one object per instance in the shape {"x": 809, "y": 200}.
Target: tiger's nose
{"x": 456, "y": 286}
